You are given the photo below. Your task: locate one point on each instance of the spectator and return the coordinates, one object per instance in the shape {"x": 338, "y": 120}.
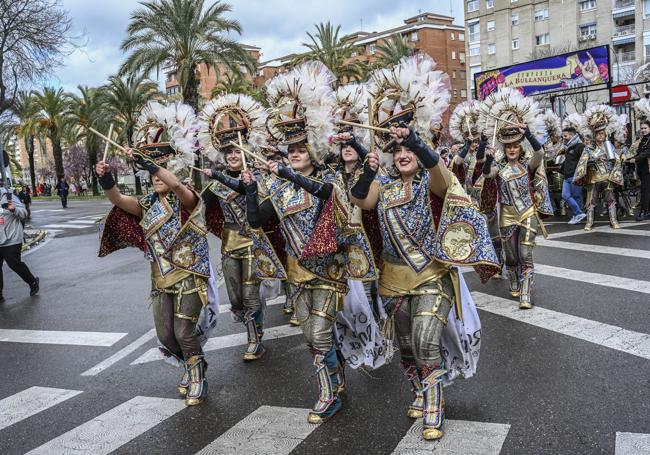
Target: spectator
{"x": 642, "y": 161}
{"x": 572, "y": 194}
{"x": 12, "y": 213}
{"x": 84, "y": 188}
{"x": 25, "y": 196}
{"x": 62, "y": 189}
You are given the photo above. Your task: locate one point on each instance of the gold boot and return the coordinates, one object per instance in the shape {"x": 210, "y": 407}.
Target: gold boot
{"x": 198, "y": 389}
{"x": 434, "y": 414}
{"x": 613, "y": 221}
{"x": 590, "y": 219}
{"x": 525, "y": 302}
{"x": 255, "y": 349}
{"x": 415, "y": 408}
{"x": 513, "y": 281}
{"x": 184, "y": 383}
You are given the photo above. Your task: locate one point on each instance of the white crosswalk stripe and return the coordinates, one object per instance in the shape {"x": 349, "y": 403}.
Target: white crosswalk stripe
{"x": 31, "y": 401}
{"x": 605, "y": 229}
{"x": 114, "y": 428}
{"x": 610, "y": 281}
{"x": 626, "y": 252}
{"x": 606, "y": 335}
{"x": 66, "y": 226}
{"x": 270, "y": 430}
{"x": 632, "y": 444}
{"x": 461, "y": 437}
{"x": 80, "y": 221}
{"x": 227, "y": 341}
{"x": 60, "y": 337}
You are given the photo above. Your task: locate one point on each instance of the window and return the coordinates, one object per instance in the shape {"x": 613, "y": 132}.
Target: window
{"x": 472, "y": 5}
{"x": 455, "y": 93}
{"x": 515, "y": 19}
{"x": 453, "y": 55}
{"x": 540, "y": 40}
{"x": 461, "y": 36}
{"x": 541, "y": 15}
{"x": 515, "y": 43}
{"x": 586, "y": 5}
{"x": 490, "y": 26}
{"x": 492, "y": 49}
{"x": 474, "y": 50}
{"x": 463, "y": 74}
{"x": 414, "y": 37}
{"x": 646, "y": 8}
{"x": 453, "y": 74}
{"x": 452, "y": 36}
{"x": 474, "y": 29}
{"x": 588, "y": 30}
{"x": 372, "y": 49}
{"x": 489, "y": 4}
{"x": 461, "y": 57}
{"x": 463, "y": 93}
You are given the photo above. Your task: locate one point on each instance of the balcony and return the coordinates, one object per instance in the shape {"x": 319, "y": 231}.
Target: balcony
{"x": 625, "y": 57}
{"x": 623, "y": 9}
{"x": 623, "y": 34}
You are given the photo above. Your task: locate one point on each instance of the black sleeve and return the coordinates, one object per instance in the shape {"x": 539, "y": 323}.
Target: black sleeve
{"x": 480, "y": 153}
{"x": 231, "y": 182}
{"x": 463, "y": 152}
{"x": 257, "y": 214}
{"x": 362, "y": 187}
{"x": 318, "y": 189}
{"x": 360, "y": 149}
{"x": 532, "y": 139}
{"x": 428, "y": 157}
{"x": 487, "y": 165}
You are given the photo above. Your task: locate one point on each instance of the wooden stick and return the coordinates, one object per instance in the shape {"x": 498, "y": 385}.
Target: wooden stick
{"x": 469, "y": 128}
{"x": 241, "y": 144}
{"x": 361, "y": 125}
{"x": 371, "y": 114}
{"x": 196, "y": 169}
{"x": 93, "y": 130}
{"x": 494, "y": 135}
{"x": 251, "y": 154}
{"x": 504, "y": 120}
{"x": 110, "y": 133}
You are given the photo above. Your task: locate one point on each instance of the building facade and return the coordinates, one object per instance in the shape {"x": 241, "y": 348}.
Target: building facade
{"x": 505, "y": 32}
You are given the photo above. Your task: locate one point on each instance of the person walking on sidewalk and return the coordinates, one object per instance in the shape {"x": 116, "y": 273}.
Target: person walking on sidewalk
{"x": 571, "y": 193}
{"x": 642, "y": 160}
{"x": 12, "y": 213}
{"x": 62, "y": 189}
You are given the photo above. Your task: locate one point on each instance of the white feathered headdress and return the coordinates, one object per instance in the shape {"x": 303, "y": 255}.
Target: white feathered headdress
{"x": 574, "y": 121}
{"x": 551, "y": 122}
{"x": 302, "y": 102}
{"x": 642, "y": 109}
{"x": 413, "y": 92}
{"x": 600, "y": 117}
{"x": 225, "y": 118}
{"x": 463, "y": 122}
{"x": 503, "y": 108}
{"x": 351, "y": 104}
{"x": 167, "y": 133}
{"x": 620, "y": 128}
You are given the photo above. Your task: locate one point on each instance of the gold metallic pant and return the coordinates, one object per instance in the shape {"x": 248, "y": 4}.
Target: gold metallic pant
{"x": 242, "y": 286}
{"x": 519, "y": 242}
{"x": 419, "y": 320}
{"x": 175, "y": 312}
{"x": 594, "y": 189}
{"x": 316, "y": 303}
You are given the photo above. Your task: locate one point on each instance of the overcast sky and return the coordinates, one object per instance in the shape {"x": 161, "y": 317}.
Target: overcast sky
{"x": 277, "y": 26}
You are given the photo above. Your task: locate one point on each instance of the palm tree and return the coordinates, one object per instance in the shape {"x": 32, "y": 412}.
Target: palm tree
{"x": 87, "y": 110}
{"x": 334, "y": 52}
{"x": 53, "y": 107}
{"x": 27, "y": 112}
{"x": 183, "y": 34}
{"x": 237, "y": 83}
{"x": 391, "y": 51}
{"x": 123, "y": 98}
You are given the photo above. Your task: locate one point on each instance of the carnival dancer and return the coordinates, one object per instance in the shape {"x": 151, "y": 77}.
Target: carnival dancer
{"x": 468, "y": 168}
{"x": 320, "y": 258}
{"x": 224, "y": 120}
{"x": 599, "y": 167}
{"x": 553, "y": 158}
{"x": 571, "y": 153}
{"x": 428, "y": 225}
{"x": 169, "y": 226}
{"x": 523, "y": 189}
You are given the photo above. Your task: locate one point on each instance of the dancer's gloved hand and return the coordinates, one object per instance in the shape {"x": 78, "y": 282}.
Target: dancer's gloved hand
{"x": 411, "y": 140}
{"x": 104, "y": 177}
{"x": 362, "y": 187}
{"x": 319, "y": 189}
{"x": 142, "y": 162}
{"x": 489, "y": 158}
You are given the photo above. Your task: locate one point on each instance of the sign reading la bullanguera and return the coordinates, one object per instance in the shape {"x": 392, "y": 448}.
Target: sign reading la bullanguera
{"x": 571, "y": 70}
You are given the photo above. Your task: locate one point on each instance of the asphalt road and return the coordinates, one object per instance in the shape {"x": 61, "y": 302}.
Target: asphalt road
{"x": 569, "y": 377}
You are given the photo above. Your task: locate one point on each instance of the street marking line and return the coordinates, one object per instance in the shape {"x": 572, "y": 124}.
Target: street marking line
{"x": 60, "y": 337}
{"x": 227, "y": 341}
{"x": 31, "y": 401}
{"x": 271, "y": 430}
{"x": 643, "y": 254}
{"x": 81, "y": 221}
{"x": 609, "y": 336}
{"x": 66, "y": 226}
{"x": 610, "y": 281}
{"x": 605, "y": 229}
{"x": 632, "y": 444}
{"x": 461, "y": 437}
{"x": 114, "y": 428}
{"x": 225, "y": 308}
{"x": 119, "y": 355}
{"x": 48, "y": 210}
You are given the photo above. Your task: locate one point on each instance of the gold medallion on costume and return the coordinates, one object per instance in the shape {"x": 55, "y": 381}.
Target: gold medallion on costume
{"x": 457, "y": 241}
{"x": 336, "y": 268}
{"x": 358, "y": 265}
{"x": 264, "y": 263}
{"x": 182, "y": 255}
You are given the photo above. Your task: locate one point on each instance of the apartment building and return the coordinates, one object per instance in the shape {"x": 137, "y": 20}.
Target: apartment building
{"x": 505, "y": 32}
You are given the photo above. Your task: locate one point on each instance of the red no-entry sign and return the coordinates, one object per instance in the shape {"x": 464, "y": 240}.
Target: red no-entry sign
{"x": 621, "y": 93}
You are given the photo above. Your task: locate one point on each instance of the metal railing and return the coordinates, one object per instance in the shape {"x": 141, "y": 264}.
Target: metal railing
{"x": 623, "y": 3}
{"x": 626, "y": 57}
{"x": 623, "y": 30}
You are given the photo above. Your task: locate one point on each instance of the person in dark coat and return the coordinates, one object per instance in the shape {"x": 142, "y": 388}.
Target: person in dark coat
{"x": 642, "y": 161}
{"x": 62, "y": 189}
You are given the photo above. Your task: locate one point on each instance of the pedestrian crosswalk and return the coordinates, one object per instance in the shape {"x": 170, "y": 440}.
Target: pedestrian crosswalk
{"x": 31, "y": 401}
{"x": 85, "y": 222}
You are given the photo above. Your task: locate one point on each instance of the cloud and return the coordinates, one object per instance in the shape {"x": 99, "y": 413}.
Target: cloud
{"x": 278, "y": 27}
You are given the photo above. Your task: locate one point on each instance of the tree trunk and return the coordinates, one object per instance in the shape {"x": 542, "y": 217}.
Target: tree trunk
{"x": 58, "y": 154}
{"x": 30, "y": 158}
{"x": 92, "y": 161}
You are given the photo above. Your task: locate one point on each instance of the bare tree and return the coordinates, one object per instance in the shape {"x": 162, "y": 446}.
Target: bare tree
{"x": 34, "y": 36}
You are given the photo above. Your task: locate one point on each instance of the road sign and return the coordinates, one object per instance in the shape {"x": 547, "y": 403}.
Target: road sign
{"x": 620, "y": 94}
